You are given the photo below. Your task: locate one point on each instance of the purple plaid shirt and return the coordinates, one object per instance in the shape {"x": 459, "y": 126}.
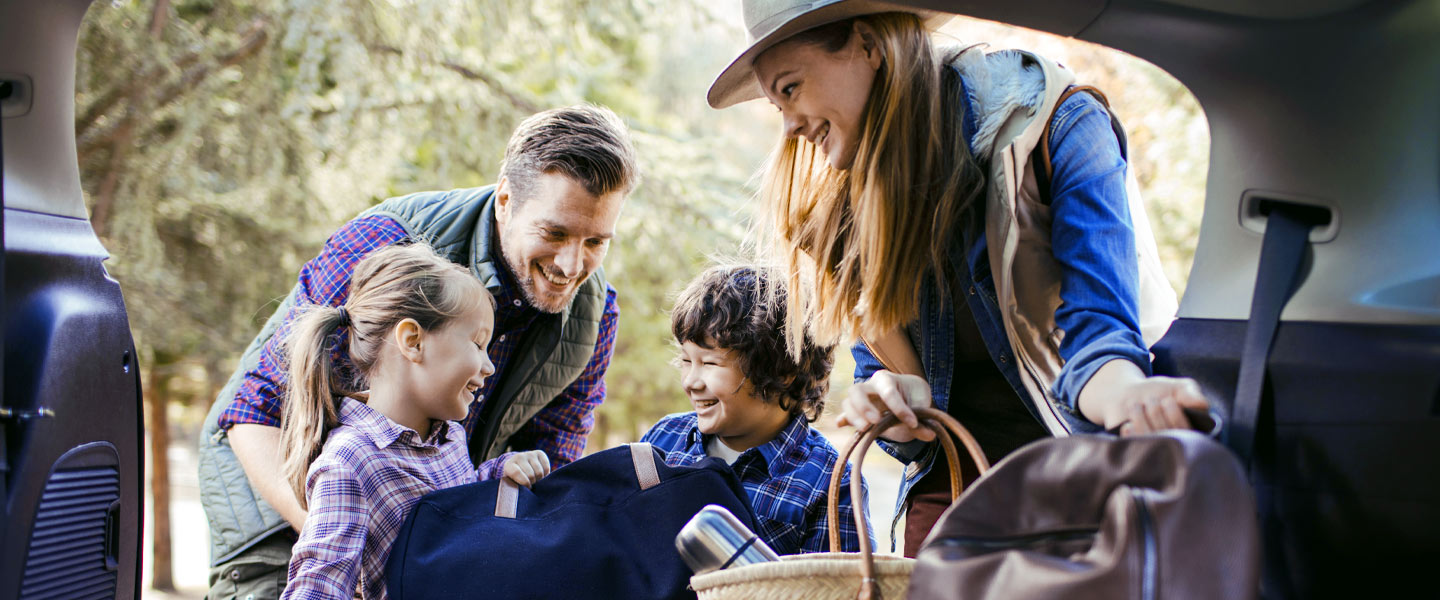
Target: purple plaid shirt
{"x": 559, "y": 429}
{"x": 787, "y": 479}
{"x": 359, "y": 491}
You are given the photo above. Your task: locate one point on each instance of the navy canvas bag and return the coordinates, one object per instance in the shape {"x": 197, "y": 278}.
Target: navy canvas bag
{"x": 601, "y": 527}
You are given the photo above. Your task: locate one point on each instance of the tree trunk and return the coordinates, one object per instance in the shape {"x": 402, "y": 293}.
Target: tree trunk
{"x": 161, "y": 571}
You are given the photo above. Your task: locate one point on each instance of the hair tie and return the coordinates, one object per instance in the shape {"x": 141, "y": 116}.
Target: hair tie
{"x": 344, "y": 317}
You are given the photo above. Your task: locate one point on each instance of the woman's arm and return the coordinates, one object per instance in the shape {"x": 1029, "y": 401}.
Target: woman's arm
{"x": 1106, "y": 377}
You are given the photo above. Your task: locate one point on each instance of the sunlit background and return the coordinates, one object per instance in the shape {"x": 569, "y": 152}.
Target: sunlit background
{"x": 221, "y": 141}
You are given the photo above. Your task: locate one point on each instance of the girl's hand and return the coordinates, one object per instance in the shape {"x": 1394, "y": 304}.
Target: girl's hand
{"x": 526, "y": 468}
{"x": 869, "y": 401}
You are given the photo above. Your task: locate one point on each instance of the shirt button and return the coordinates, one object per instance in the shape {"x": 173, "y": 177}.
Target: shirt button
{"x": 1004, "y": 358}
{"x": 517, "y": 302}
{"x": 501, "y": 338}
{"x": 972, "y": 290}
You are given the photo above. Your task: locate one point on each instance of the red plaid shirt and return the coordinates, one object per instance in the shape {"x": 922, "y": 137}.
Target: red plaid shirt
{"x": 559, "y": 429}
{"x": 359, "y": 491}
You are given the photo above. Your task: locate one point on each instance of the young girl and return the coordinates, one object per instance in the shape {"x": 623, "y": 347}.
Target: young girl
{"x": 417, "y": 328}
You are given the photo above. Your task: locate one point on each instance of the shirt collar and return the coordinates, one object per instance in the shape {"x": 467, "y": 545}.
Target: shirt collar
{"x": 782, "y": 453}
{"x": 381, "y": 431}
{"x": 787, "y": 450}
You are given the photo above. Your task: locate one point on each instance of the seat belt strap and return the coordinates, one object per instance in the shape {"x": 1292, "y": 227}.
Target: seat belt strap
{"x": 1281, "y": 255}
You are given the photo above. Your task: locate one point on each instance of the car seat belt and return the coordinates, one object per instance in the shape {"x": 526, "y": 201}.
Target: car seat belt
{"x": 1287, "y": 233}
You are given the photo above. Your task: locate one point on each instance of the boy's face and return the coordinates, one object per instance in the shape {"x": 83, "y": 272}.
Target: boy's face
{"x": 724, "y": 399}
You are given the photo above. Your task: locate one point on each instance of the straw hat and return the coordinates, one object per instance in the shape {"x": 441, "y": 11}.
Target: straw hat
{"x": 770, "y": 22}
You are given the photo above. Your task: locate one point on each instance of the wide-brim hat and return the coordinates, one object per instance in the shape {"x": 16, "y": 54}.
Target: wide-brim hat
{"x": 770, "y": 22}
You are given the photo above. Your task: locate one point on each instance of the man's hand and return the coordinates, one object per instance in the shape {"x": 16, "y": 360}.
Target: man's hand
{"x": 526, "y": 468}
{"x": 869, "y": 401}
{"x": 258, "y": 448}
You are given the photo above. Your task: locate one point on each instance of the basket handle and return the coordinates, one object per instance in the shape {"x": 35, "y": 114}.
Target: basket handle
{"x": 944, "y": 427}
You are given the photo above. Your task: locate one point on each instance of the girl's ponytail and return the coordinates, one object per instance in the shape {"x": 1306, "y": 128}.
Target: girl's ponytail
{"x": 309, "y": 404}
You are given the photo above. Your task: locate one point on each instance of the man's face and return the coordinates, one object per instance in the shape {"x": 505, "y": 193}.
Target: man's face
{"x": 553, "y": 238}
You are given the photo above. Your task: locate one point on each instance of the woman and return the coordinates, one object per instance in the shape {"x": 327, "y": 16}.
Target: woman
{"x": 904, "y": 201}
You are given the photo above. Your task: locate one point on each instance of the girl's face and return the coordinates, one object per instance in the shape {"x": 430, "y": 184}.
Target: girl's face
{"x": 822, "y": 94}
{"x": 454, "y": 364}
{"x": 724, "y": 399}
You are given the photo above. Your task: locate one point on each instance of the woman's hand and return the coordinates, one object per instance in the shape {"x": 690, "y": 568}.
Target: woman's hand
{"x": 526, "y": 468}
{"x": 869, "y": 401}
{"x": 1120, "y": 396}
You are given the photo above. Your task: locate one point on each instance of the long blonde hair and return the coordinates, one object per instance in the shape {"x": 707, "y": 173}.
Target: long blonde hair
{"x": 390, "y": 285}
{"x": 858, "y": 243}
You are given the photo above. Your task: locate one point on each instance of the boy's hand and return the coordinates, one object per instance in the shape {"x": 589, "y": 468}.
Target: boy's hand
{"x": 869, "y": 401}
{"x": 526, "y": 468}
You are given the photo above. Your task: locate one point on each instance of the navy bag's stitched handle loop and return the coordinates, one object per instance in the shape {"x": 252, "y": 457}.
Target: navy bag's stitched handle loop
{"x": 507, "y": 499}
{"x": 944, "y": 427}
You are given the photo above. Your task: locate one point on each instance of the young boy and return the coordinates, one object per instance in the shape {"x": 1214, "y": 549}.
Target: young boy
{"x": 754, "y": 405}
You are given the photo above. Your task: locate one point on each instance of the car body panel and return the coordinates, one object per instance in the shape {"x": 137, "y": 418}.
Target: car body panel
{"x": 71, "y": 462}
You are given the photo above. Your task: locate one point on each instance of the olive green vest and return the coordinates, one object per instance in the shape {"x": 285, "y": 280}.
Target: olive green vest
{"x": 460, "y": 225}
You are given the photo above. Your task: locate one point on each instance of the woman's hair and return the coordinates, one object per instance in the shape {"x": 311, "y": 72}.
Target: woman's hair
{"x": 857, "y": 243}
{"x": 390, "y": 285}
{"x": 742, "y": 309}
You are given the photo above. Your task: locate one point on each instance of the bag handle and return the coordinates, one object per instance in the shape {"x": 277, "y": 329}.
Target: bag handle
{"x": 642, "y": 454}
{"x": 944, "y": 427}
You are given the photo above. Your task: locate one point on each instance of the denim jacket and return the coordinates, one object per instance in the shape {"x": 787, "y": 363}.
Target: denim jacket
{"x": 1091, "y": 238}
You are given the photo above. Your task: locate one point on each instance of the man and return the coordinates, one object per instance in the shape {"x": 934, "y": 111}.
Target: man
{"x": 536, "y": 240}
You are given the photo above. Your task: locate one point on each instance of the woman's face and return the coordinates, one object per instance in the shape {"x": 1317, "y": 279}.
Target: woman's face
{"x": 822, "y": 94}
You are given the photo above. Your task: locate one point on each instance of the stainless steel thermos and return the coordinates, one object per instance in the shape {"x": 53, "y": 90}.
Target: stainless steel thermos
{"x": 714, "y": 539}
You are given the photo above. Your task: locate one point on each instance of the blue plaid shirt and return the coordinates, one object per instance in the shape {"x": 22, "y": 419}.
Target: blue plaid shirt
{"x": 786, "y": 478}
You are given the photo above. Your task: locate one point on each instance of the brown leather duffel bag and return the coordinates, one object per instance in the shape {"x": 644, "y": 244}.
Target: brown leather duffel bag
{"x": 1160, "y": 516}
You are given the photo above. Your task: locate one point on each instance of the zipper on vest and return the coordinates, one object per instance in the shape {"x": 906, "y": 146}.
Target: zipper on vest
{"x": 491, "y": 416}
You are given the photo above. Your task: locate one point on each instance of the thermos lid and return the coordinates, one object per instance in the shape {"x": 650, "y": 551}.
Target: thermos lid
{"x": 714, "y": 537}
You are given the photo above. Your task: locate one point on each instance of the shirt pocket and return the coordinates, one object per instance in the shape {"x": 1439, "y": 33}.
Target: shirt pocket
{"x": 783, "y": 537}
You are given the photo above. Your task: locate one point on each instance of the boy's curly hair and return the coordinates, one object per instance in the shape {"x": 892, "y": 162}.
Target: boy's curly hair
{"x": 736, "y": 308}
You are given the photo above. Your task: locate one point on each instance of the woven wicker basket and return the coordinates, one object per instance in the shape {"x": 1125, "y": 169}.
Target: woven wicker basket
{"x": 804, "y": 576}
{"x": 841, "y": 575}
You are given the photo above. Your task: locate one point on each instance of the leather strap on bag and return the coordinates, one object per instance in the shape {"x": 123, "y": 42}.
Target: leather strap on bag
{"x": 944, "y": 427}
{"x": 644, "y": 457}
{"x": 647, "y": 475}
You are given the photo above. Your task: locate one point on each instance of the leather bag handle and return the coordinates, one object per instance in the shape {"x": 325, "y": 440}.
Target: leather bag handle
{"x": 945, "y": 427}
{"x": 507, "y": 499}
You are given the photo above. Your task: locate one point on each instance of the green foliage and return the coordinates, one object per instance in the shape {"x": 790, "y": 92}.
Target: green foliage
{"x": 221, "y": 142}
{"x": 220, "y": 152}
